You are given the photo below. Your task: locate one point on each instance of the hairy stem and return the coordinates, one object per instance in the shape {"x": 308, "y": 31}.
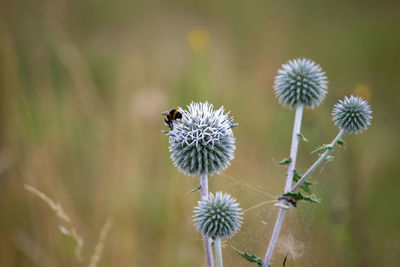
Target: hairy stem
{"x": 274, "y": 237}
{"x": 207, "y": 241}
{"x": 318, "y": 162}
{"x": 218, "y": 251}
{"x": 281, "y": 213}
{"x": 289, "y": 181}
{"x": 294, "y": 147}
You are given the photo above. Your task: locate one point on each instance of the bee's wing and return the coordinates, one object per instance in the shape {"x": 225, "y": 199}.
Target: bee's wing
{"x": 165, "y": 113}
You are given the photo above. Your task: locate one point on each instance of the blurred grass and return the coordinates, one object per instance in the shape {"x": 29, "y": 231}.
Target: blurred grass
{"x": 82, "y": 86}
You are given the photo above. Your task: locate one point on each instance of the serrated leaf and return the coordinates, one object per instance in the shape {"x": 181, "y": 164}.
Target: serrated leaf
{"x": 340, "y": 142}
{"x": 284, "y": 161}
{"x": 250, "y": 257}
{"x": 322, "y": 148}
{"x": 299, "y": 196}
{"x": 195, "y": 189}
{"x": 296, "y": 175}
{"x": 305, "y": 186}
{"x": 302, "y": 137}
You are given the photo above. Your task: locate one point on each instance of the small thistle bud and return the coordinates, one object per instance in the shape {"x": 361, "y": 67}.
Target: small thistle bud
{"x": 202, "y": 143}
{"x": 218, "y": 216}
{"x": 301, "y": 81}
{"x": 353, "y": 114}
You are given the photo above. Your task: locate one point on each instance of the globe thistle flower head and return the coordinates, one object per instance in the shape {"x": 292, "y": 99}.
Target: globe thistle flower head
{"x": 353, "y": 114}
{"x": 202, "y": 142}
{"x": 218, "y": 216}
{"x": 301, "y": 81}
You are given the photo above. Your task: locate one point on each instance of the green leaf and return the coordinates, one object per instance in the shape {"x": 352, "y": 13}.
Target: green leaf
{"x": 329, "y": 158}
{"x": 305, "y": 186}
{"x": 302, "y": 137}
{"x": 299, "y": 196}
{"x": 322, "y": 148}
{"x": 250, "y": 257}
{"x": 340, "y": 142}
{"x": 284, "y": 161}
{"x": 195, "y": 189}
{"x": 296, "y": 175}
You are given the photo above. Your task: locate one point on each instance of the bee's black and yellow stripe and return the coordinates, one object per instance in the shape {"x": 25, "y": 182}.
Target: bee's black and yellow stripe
{"x": 174, "y": 113}
{"x": 170, "y": 116}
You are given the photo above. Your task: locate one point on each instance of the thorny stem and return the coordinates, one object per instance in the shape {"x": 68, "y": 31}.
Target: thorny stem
{"x": 289, "y": 181}
{"x": 207, "y": 241}
{"x": 281, "y": 213}
{"x": 318, "y": 162}
{"x": 218, "y": 251}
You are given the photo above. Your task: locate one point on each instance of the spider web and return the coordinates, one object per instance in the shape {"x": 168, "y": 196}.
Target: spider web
{"x": 259, "y": 219}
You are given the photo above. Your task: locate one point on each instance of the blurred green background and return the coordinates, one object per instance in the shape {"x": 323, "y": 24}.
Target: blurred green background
{"x": 82, "y": 86}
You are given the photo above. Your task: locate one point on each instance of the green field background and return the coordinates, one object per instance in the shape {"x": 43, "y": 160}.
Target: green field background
{"x": 82, "y": 86}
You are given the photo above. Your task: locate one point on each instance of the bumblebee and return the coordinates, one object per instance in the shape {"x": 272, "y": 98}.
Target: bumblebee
{"x": 170, "y": 116}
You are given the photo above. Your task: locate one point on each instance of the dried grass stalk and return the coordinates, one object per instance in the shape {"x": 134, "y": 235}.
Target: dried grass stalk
{"x": 100, "y": 244}
{"x": 69, "y": 229}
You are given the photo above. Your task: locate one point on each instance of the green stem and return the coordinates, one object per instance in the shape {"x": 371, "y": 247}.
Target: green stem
{"x": 294, "y": 147}
{"x": 218, "y": 251}
{"x": 289, "y": 181}
{"x": 207, "y": 240}
{"x": 318, "y": 162}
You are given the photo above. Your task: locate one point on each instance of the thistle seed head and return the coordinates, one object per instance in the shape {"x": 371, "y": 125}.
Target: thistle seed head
{"x": 218, "y": 216}
{"x": 202, "y": 143}
{"x": 301, "y": 81}
{"x": 353, "y": 114}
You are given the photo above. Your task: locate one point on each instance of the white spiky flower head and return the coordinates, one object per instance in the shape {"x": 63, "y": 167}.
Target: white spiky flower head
{"x": 202, "y": 142}
{"x": 353, "y": 114}
{"x": 218, "y": 216}
{"x": 301, "y": 81}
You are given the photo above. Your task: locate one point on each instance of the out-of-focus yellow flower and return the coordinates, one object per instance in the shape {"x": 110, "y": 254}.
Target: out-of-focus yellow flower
{"x": 198, "y": 39}
{"x": 362, "y": 89}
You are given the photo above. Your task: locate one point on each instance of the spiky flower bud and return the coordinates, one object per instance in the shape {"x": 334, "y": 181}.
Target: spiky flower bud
{"x": 202, "y": 142}
{"x": 301, "y": 81}
{"x": 353, "y": 114}
{"x": 218, "y": 216}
